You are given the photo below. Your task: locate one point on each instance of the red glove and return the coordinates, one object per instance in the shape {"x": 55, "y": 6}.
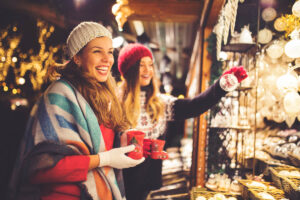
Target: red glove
{"x": 147, "y": 147}
{"x": 239, "y": 72}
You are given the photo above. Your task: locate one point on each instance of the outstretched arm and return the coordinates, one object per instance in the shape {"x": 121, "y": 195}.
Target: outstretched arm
{"x": 187, "y": 108}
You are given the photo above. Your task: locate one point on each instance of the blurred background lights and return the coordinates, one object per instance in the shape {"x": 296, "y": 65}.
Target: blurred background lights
{"x": 21, "y": 81}
{"x": 14, "y": 59}
{"x": 118, "y": 41}
{"x": 139, "y": 28}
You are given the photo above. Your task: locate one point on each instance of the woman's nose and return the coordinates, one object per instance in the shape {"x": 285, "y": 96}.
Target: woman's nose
{"x": 147, "y": 68}
{"x": 105, "y": 56}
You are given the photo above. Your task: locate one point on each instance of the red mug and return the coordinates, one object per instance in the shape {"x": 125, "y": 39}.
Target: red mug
{"x": 157, "y": 150}
{"x": 135, "y": 137}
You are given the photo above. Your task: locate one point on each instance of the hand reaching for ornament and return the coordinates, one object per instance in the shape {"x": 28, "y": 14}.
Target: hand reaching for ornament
{"x": 239, "y": 72}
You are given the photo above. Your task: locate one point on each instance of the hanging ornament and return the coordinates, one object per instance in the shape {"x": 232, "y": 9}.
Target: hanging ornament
{"x": 292, "y": 48}
{"x": 234, "y": 5}
{"x": 245, "y": 36}
{"x": 290, "y": 120}
{"x": 269, "y": 14}
{"x": 296, "y": 9}
{"x": 227, "y": 19}
{"x": 218, "y": 30}
{"x": 287, "y": 83}
{"x": 264, "y": 36}
{"x": 275, "y": 50}
{"x": 279, "y": 24}
{"x": 291, "y": 103}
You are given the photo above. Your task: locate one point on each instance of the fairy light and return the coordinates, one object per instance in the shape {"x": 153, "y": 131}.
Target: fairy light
{"x": 37, "y": 63}
{"x": 14, "y": 91}
{"x": 181, "y": 96}
{"x": 14, "y": 59}
{"x": 21, "y": 81}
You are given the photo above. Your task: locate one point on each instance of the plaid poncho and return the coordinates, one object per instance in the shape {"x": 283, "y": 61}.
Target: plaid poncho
{"x": 66, "y": 123}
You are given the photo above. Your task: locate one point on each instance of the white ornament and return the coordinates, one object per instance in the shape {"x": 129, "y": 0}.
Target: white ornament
{"x": 245, "y": 36}
{"x": 296, "y": 9}
{"x": 264, "y": 36}
{"x": 229, "y": 82}
{"x": 287, "y": 83}
{"x": 275, "y": 51}
{"x": 291, "y": 103}
{"x": 269, "y": 14}
{"x": 292, "y": 49}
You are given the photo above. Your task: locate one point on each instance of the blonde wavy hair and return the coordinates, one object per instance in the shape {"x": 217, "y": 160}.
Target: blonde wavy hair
{"x": 130, "y": 96}
{"x": 100, "y": 95}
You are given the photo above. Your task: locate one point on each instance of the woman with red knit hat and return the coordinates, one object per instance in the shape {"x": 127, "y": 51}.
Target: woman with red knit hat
{"x": 149, "y": 111}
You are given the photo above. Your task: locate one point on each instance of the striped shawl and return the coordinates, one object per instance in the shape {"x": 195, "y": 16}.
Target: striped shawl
{"x": 63, "y": 117}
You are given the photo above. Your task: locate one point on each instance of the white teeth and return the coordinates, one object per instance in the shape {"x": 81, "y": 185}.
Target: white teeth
{"x": 102, "y": 69}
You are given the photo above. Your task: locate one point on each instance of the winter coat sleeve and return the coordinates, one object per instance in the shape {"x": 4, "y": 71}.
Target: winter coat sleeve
{"x": 188, "y": 108}
{"x": 65, "y": 171}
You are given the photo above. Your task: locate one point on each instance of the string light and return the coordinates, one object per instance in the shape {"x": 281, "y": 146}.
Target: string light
{"x": 5, "y": 88}
{"x": 21, "y": 63}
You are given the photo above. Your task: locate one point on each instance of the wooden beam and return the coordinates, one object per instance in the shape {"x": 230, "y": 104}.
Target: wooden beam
{"x": 214, "y": 12}
{"x": 206, "y": 64}
{"x": 42, "y": 11}
{"x": 209, "y": 13}
{"x": 165, "y": 11}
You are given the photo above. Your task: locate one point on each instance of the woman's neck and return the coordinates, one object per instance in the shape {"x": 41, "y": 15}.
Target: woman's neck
{"x": 146, "y": 88}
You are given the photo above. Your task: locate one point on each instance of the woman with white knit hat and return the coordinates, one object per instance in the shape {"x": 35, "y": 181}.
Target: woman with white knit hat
{"x": 71, "y": 147}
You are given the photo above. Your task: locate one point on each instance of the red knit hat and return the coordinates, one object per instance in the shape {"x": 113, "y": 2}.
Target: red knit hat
{"x": 130, "y": 54}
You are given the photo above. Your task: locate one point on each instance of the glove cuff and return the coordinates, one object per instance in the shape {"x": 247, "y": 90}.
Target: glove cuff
{"x": 229, "y": 82}
{"x": 104, "y": 159}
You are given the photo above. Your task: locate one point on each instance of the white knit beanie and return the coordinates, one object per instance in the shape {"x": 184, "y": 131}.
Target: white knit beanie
{"x": 84, "y": 33}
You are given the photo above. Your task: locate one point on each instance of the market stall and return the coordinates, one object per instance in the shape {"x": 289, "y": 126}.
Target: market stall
{"x": 251, "y": 150}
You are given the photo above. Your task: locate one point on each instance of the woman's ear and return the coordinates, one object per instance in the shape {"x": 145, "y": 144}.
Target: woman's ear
{"x": 77, "y": 60}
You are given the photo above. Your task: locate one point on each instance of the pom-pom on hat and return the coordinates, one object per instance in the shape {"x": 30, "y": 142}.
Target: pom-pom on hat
{"x": 83, "y": 34}
{"x": 130, "y": 54}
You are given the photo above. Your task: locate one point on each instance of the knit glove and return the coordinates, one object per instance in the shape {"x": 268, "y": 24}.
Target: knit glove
{"x": 116, "y": 158}
{"x": 239, "y": 72}
{"x": 147, "y": 147}
{"x": 230, "y": 83}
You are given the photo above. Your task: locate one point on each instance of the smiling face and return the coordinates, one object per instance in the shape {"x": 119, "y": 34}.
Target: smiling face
{"x": 97, "y": 58}
{"x": 146, "y": 71}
